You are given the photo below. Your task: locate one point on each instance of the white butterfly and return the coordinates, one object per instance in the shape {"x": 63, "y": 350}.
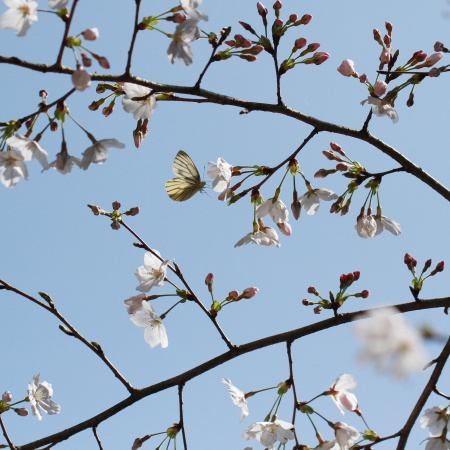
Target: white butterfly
{"x": 188, "y": 182}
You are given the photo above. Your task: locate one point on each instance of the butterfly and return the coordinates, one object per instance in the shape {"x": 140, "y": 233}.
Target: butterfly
{"x": 188, "y": 182}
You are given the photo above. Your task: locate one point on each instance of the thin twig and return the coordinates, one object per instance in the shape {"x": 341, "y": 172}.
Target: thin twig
{"x": 181, "y": 423}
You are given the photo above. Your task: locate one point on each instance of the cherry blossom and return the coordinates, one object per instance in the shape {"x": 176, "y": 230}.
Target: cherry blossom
{"x": 29, "y": 149}
{"x": 91, "y": 34}
{"x": 267, "y": 433}
{"x": 328, "y": 445}
{"x": 98, "y": 153}
{"x": 366, "y": 226}
{"x": 12, "y": 168}
{"x": 20, "y": 15}
{"x": 347, "y": 68}
{"x": 143, "y": 108}
{"x": 384, "y": 223}
{"x": 155, "y": 332}
{"x": 134, "y": 303}
{"x": 221, "y": 173}
{"x": 340, "y": 395}
{"x": 152, "y": 273}
{"x": 266, "y": 237}
{"x": 437, "y": 443}
{"x": 277, "y": 210}
{"x": 238, "y": 398}
{"x": 390, "y": 342}
{"x": 81, "y": 79}
{"x": 311, "y": 199}
{"x": 345, "y": 435}
{"x": 185, "y": 32}
{"x": 189, "y": 7}
{"x": 381, "y": 108}
{"x": 436, "y": 419}
{"x": 64, "y": 162}
{"x": 39, "y": 395}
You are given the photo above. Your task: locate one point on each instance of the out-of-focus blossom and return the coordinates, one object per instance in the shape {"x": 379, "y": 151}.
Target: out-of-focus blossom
{"x": 185, "y": 33}
{"x": 379, "y": 88}
{"x": 266, "y": 237}
{"x": 143, "y": 108}
{"x": 238, "y": 398}
{"x": 20, "y": 15}
{"x": 381, "y": 108}
{"x": 57, "y": 4}
{"x": 267, "y": 433}
{"x": 390, "y": 342}
{"x": 81, "y": 79}
{"x": 189, "y": 6}
{"x": 437, "y": 443}
{"x": 91, "y": 34}
{"x": 155, "y": 332}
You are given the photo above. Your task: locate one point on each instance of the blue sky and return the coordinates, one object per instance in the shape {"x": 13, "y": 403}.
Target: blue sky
{"x": 53, "y": 243}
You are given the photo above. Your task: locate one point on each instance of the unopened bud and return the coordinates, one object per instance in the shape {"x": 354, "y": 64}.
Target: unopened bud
{"x": 116, "y": 205}
{"x": 43, "y": 93}
{"x": 249, "y": 292}
{"x": 21, "y": 411}
{"x": 285, "y": 228}
{"x": 363, "y": 78}
{"x": 439, "y": 268}
{"x": 318, "y": 309}
{"x": 7, "y": 396}
{"x": 209, "y": 280}
{"x": 233, "y": 295}
{"x": 312, "y": 290}
{"x": 299, "y": 43}
{"x": 134, "y": 211}
{"x": 306, "y": 18}
{"x": 103, "y": 62}
{"x": 296, "y": 208}
{"x": 91, "y": 34}
{"x": 115, "y": 225}
{"x": 262, "y": 10}
{"x": 87, "y": 61}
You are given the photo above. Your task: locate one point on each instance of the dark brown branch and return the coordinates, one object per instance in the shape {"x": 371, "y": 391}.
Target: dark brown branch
{"x": 133, "y": 37}
{"x": 5, "y": 434}
{"x": 181, "y": 423}
{"x": 431, "y": 385}
{"x": 99, "y": 442}
{"x": 66, "y": 33}
{"x": 237, "y": 351}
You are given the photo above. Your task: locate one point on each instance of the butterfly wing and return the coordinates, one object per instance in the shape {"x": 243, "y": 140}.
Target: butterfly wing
{"x": 183, "y": 188}
{"x": 183, "y": 166}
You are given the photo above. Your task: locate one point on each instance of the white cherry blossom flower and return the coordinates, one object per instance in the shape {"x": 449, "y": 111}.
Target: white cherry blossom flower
{"x": 328, "y": 445}
{"x": 381, "y": 108}
{"x": 311, "y": 199}
{"x": 12, "y": 168}
{"x": 277, "y": 210}
{"x": 64, "y": 162}
{"x": 366, "y": 226}
{"x": 436, "y": 419}
{"x": 437, "y": 443}
{"x": 152, "y": 273}
{"x": 390, "y": 342}
{"x": 40, "y": 395}
{"x": 345, "y": 435}
{"x": 141, "y": 109}
{"x": 98, "y": 153}
{"x": 185, "y": 32}
{"x": 266, "y": 237}
{"x": 57, "y": 4}
{"x": 220, "y": 172}
{"x": 340, "y": 395}
{"x": 134, "y": 303}
{"x": 189, "y": 8}
{"x": 155, "y": 332}
{"x": 267, "y": 433}
{"x": 20, "y": 15}
{"x": 81, "y": 79}
{"x": 384, "y": 223}
{"x": 29, "y": 149}
{"x": 238, "y": 398}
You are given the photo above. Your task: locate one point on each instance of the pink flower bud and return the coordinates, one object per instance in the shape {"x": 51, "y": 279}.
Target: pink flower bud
{"x": 363, "y": 78}
{"x": 438, "y": 47}
{"x": 103, "y": 62}
{"x": 365, "y": 293}
{"x": 306, "y": 302}
{"x": 134, "y": 211}
{"x": 81, "y": 79}
{"x": 321, "y": 173}
{"x": 347, "y": 68}
{"x": 434, "y": 72}
{"x": 306, "y": 18}
{"x": 389, "y": 27}
{"x": 379, "y": 88}
{"x": 91, "y": 34}
{"x": 285, "y": 228}
{"x": 343, "y": 166}
{"x": 21, "y": 411}
{"x": 312, "y": 290}
{"x": 433, "y": 59}
{"x": 385, "y": 56}
{"x": 43, "y": 93}
{"x": 87, "y": 61}
{"x": 54, "y": 126}
{"x": 233, "y": 295}
{"x": 296, "y": 208}
{"x": 262, "y": 10}
{"x": 209, "y": 280}
{"x": 277, "y": 5}
{"x": 179, "y": 17}
{"x": 246, "y": 26}
{"x": 356, "y": 275}
{"x": 7, "y": 397}
{"x": 249, "y": 292}
{"x": 300, "y": 43}
{"x": 320, "y": 57}
{"x": 318, "y": 309}
{"x": 115, "y": 225}
{"x": 329, "y": 154}
{"x": 116, "y": 205}
{"x": 293, "y": 18}
{"x": 249, "y": 58}
{"x": 377, "y": 35}
{"x": 387, "y": 40}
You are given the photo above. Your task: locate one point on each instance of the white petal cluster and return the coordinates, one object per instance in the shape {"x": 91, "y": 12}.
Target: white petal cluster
{"x": 370, "y": 226}
{"x": 20, "y": 15}
{"x": 266, "y": 237}
{"x": 238, "y": 398}
{"x": 98, "y": 152}
{"x": 155, "y": 331}
{"x": 345, "y": 435}
{"x": 390, "y": 342}
{"x": 189, "y": 8}
{"x": 141, "y": 109}
{"x": 12, "y": 168}
{"x": 185, "y": 33}
{"x": 310, "y": 201}
{"x": 152, "y": 273}
{"x": 267, "y": 433}
{"x": 340, "y": 395}
{"x": 380, "y": 108}
{"x": 39, "y": 394}
{"x": 220, "y": 172}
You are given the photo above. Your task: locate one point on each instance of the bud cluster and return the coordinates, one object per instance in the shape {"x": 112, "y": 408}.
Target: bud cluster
{"x": 417, "y": 281}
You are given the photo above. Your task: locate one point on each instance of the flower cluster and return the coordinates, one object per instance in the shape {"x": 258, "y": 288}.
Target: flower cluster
{"x": 436, "y": 420}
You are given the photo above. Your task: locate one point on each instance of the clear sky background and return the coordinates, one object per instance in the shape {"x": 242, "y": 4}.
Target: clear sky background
{"x": 53, "y": 243}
